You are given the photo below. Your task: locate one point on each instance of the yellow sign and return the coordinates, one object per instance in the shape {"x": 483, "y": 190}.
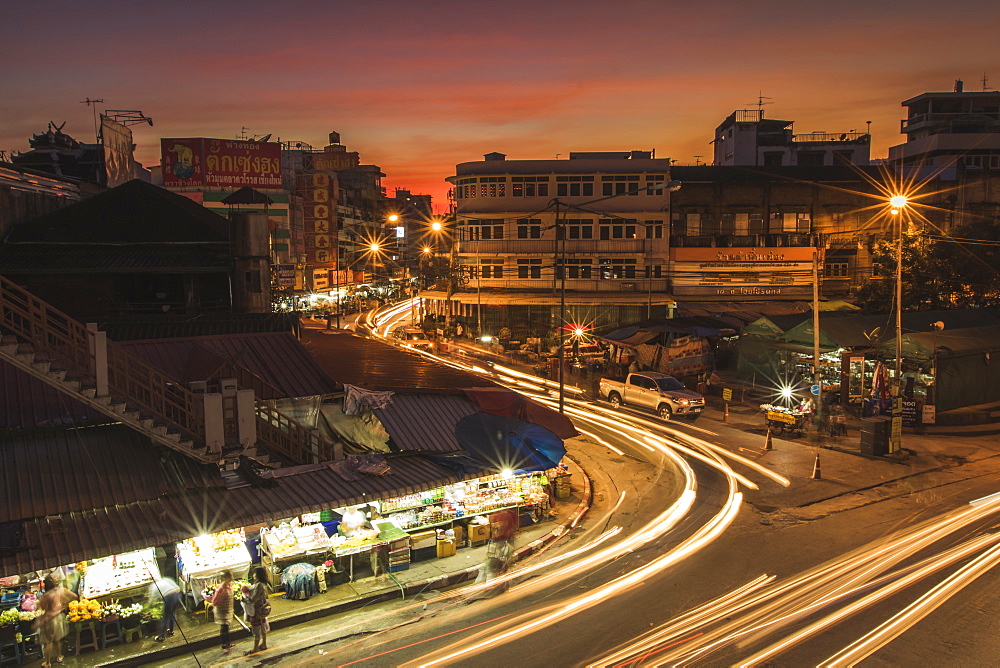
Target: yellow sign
{"x": 778, "y": 416}
{"x": 727, "y": 394}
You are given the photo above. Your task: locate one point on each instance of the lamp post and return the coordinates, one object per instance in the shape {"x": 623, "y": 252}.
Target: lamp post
{"x": 898, "y": 204}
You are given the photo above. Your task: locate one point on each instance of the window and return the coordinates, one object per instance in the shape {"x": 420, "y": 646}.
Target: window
{"x": 529, "y": 228}
{"x": 692, "y": 224}
{"x": 617, "y": 268}
{"x": 790, "y": 223}
{"x": 579, "y": 228}
{"x": 620, "y": 184}
{"x": 486, "y": 228}
{"x": 491, "y": 268}
{"x": 617, "y": 228}
{"x": 810, "y": 158}
{"x": 773, "y": 158}
{"x": 655, "y": 271}
{"x": 574, "y": 186}
{"x": 577, "y": 268}
{"x": 529, "y": 186}
{"x": 836, "y": 269}
{"x": 530, "y": 268}
{"x": 654, "y": 229}
{"x": 741, "y": 224}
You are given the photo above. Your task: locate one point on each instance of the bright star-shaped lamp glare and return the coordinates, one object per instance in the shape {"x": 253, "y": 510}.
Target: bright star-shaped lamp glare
{"x": 898, "y": 201}
{"x": 393, "y": 217}
{"x": 426, "y": 250}
{"x": 506, "y": 473}
{"x": 436, "y": 226}
{"x": 786, "y": 392}
{"x": 374, "y": 248}
{"x": 578, "y": 331}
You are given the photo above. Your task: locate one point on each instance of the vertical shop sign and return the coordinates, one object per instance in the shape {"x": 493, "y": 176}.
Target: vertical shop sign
{"x": 319, "y": 202}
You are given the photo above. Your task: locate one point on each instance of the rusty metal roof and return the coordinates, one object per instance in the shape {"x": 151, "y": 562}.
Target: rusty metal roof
{"x": 424, "y": 422}
{"x": 134, "y": 518}
{"x": 354, "y": 360}
{"x": 276, "y": 357}
{"x": 170, "y": 326}
{"x": 26, "y": 402}
{"x": 55, "y": 471}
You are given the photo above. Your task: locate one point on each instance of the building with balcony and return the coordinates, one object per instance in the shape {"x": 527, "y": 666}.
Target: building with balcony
{"x": 747, "y": 138}
{"x": 958, "y": 128}
{"x": 540, "y": 243}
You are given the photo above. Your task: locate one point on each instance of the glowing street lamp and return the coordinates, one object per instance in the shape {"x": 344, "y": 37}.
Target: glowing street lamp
{"x": 898, "y": 204}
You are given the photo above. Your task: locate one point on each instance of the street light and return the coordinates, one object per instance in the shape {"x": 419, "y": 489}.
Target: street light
{"x": 898, "y": 204}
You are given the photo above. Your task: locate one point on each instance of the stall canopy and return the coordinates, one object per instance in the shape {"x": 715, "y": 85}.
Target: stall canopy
{"x": 508, "y": 443}
{"x": 967, "y": 363}
{"x": 635, "y": 335}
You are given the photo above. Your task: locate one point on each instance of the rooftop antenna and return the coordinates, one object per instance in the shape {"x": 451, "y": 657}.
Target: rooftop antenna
{"x": 697, "y": 159}
{"x": 986, "y": 82}
{"x": 243, "y": 133}
{"x": 93, "y": 105}
{"x": 760, "y": 101}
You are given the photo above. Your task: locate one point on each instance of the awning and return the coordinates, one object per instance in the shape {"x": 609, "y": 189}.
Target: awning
{"x": 505, "y": 443}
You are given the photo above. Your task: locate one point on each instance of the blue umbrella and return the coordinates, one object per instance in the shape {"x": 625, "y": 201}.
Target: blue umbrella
{"x": 508, "y": 443}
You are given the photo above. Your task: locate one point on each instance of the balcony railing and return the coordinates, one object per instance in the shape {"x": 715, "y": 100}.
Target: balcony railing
{"x": 783, "y": 239}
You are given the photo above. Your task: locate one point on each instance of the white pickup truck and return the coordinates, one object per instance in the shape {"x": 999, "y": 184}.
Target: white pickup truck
{"x": 664, "y": 395}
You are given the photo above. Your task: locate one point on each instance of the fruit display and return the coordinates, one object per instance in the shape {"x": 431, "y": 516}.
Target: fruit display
{"x": 311, "y": 538}
{"x": 281, "y": 542}
{"x": 85, "y": 610}
{"x": 213, "y": 552}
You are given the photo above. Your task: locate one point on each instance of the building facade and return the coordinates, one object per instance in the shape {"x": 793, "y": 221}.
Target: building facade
{"x": 747, "y": 138}
{"x": 960, "y": 128}
{"x": 588, "y": 235}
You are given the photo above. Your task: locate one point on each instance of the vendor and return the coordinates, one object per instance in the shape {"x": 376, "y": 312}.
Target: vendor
{"x": 354, "y": 524}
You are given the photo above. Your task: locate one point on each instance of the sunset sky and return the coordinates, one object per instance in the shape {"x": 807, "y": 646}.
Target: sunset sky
{"x": 417, "y": 87}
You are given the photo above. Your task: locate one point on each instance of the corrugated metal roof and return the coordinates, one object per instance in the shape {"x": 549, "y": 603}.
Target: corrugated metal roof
{"x": 354, "y": 360}
{"x": 424, "y": 422}
{"x": 134, "y": 212}
{"x": 275, "y": 357}
{"x": 55, "y": 471}
{"x": 169, "y": 326}
{"x": 27, "y": 402}
{"x": 130, "y": 525}
{"x": 56, "y": 258}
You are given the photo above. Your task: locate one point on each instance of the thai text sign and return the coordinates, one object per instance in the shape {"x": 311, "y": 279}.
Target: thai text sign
{"x": 742, "y": 272}
{"x": 222, "y": 163}
{"x": 778, "y": 416}
{"x": 319, "y": 201}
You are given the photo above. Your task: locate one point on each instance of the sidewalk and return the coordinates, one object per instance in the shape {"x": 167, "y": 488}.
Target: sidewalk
{"x": 201, "y": 634}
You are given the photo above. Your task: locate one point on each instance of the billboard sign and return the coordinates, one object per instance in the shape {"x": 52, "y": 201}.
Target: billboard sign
{"x": 754, "y": 273}
{"x": 116, "y": 139}
{"x": 220, "y": 163}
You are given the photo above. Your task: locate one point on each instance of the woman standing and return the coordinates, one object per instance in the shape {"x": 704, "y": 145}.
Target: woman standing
{"x": 261, "y": 609}
{"x": 222, "y": 605}
{"x": 52, "y": 623}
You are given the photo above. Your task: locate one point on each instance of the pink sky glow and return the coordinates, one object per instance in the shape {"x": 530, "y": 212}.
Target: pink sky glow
{"x": 418, "y": 87}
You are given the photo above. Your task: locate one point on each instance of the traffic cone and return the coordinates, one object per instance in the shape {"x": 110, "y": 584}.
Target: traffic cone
{"x": 725, "y": 414}
{"x": 767, "y": 440}
{"x": 817, "y": 474}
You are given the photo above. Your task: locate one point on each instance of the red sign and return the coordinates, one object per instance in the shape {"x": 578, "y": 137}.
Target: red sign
{"x": 220, "y": 163}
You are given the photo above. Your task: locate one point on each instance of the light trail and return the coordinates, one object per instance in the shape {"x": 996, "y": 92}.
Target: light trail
{"x": 867, "y": 569}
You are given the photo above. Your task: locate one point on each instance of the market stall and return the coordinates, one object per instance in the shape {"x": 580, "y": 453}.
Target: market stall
{"x": 201, "y": 560}
{"x": 119, "y": 576}
{"x": 442, "y": 506}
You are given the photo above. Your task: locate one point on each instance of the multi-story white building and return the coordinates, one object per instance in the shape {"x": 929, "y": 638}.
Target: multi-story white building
{"x": 603, "y": 217}
{"x": 746, "y": 138}
{"x": 944, "y": 129}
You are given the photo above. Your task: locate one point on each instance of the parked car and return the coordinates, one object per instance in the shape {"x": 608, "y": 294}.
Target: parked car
{"x": 657, "y": 392}
{"x": 413, "y": 337}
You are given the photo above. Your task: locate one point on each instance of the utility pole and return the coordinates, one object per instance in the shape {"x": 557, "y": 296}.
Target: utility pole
{"x": 561, "y": 265}
{"x": 817, "y": 371}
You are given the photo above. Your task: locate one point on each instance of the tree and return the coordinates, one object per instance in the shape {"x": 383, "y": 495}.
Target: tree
{"x": 939, "y": 271}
